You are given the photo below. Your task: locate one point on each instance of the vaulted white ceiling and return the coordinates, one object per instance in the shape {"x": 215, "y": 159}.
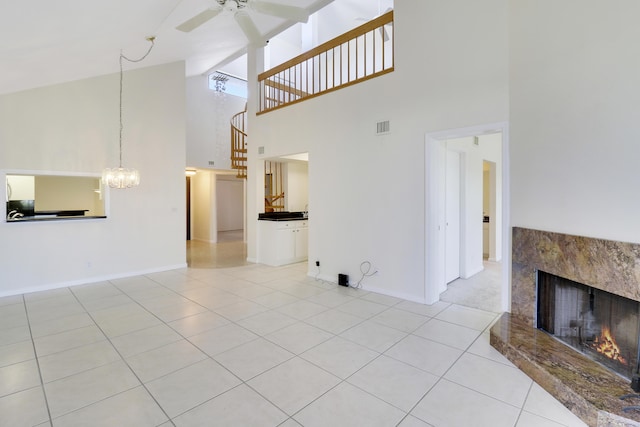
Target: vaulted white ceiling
{"x": 44, "y": 42}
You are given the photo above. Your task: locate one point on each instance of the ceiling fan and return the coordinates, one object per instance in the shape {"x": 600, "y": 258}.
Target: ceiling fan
{"x": 240, "y": 7}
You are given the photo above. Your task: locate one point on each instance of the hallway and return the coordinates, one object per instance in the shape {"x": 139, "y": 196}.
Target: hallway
{"x": 230, "y": 251}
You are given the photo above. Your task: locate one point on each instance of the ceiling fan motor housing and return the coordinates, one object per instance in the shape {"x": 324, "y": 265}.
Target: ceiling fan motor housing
{"x": 232, "y": 5}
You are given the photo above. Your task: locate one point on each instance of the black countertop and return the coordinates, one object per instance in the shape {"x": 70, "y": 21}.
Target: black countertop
{"x": 53, "y": 218}
{"x": 282, "y": 216}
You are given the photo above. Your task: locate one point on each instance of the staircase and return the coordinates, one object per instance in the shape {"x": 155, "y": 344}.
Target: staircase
{"x": 273, "y": 171}
{"x": 274, "y": 200}
{"x": 358, "y": 55}
{"x": 239, "y": 143}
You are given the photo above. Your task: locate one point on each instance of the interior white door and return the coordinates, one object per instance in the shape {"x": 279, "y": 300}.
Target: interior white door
{"x": 452, "y": 215}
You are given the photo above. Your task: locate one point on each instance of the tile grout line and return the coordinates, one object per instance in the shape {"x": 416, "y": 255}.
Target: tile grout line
{"x": 242, "y": 382}
{"x": 299, "y": 321}
{"x": 37, "y": 359}
{"x": 123, "y": 360}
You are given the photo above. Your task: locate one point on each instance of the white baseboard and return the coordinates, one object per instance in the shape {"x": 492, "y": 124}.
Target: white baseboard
{"x": 401, "y": 295}
{"x": 473, "y": 272}
{"x": 90, "y": 280}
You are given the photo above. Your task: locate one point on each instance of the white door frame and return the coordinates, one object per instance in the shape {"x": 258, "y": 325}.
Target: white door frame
{"x": 435, "y": 148}
{"x": 453, "y": 229}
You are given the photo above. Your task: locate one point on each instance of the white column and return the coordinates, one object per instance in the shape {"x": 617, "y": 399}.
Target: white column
{"x": 255, "y": 165}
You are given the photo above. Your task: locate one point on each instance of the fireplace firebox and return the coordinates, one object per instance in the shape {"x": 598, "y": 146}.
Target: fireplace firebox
{"x": 601, "y": 325}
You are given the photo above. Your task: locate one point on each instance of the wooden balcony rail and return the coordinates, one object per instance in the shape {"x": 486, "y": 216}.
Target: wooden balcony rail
{"x": 239, "y": 143}
{"x": 358, "y": 55}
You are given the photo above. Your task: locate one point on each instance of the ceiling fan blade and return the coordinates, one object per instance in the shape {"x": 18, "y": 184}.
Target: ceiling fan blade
{"x": 199, "y": 19}
{"x": 249, "y": 28}
{"x": 290, "y": 13}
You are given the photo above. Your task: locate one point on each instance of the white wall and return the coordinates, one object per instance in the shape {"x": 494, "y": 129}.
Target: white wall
{"x": 366, "y": 192}
{"x": 73, "y": 127}
{"x": 230, "y": 203}
{"x": 208, "y": 127}
{"x": 21, "y": 187}
{"x": 575, "y": 103}
{"x": 296, "y": 186}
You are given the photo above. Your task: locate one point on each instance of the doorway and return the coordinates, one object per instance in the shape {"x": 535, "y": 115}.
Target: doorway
{"x": 440, "y": 238}
{"x": 216, "y": 220}
{"x": 215, "y": 204}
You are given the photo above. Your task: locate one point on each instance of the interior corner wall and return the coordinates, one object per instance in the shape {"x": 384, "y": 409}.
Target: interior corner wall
{"x": 367, "y": 192}
{"x": 574, "y": 108}
{"x": 73, "y": 127}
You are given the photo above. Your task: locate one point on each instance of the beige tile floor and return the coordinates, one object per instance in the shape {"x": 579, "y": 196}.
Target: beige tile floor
{"x": 254, "y": 346}
{"x": 481, "y": 290}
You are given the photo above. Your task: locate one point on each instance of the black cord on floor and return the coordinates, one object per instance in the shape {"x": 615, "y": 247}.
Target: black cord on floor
{"x": 365, "y": 274}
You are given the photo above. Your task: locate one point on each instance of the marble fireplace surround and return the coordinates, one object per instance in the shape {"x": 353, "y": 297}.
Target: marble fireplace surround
{"x": 587, "y": 388}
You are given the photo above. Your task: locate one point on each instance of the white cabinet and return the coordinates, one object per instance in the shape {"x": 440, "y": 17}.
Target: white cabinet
{"x": 282, "y": 242}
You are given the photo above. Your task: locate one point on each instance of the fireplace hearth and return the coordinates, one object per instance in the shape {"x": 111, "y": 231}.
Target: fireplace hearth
{"x": 563, "y": 346}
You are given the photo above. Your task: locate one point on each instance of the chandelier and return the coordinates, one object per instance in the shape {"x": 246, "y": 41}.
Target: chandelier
{"x": 220, "y": 82}
{"x": 121, "y": 177}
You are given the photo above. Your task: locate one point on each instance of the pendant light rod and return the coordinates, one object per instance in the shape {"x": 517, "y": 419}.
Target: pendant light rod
{"x": 122, "y": 177}
{"x": 122, "y": 56}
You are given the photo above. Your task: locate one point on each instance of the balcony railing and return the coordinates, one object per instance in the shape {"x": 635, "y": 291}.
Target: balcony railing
{"x": 358, "y": 55}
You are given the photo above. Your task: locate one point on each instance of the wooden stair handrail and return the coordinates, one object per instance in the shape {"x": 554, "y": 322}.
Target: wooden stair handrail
{"x": 239, "y": 143}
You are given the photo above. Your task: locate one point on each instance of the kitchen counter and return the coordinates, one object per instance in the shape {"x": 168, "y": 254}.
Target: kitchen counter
{"x": 54, "y": 215}
{"x": 283, "y": 216}
{"x": 39, "y": 218}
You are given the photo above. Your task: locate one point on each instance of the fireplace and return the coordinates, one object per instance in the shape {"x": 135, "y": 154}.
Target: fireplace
{"x": 570, "y": 296}
{"x": 603, "y": 326}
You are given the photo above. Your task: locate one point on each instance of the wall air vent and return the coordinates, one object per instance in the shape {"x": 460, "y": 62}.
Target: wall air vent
{"x": 383, "y": 127}
{"x": 261, "y": 150}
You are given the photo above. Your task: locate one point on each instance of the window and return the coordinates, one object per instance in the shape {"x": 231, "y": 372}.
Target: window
{"x": 226, "y": 83}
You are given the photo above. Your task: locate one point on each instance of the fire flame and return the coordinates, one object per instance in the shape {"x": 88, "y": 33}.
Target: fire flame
{"x": 607, "y": 346}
